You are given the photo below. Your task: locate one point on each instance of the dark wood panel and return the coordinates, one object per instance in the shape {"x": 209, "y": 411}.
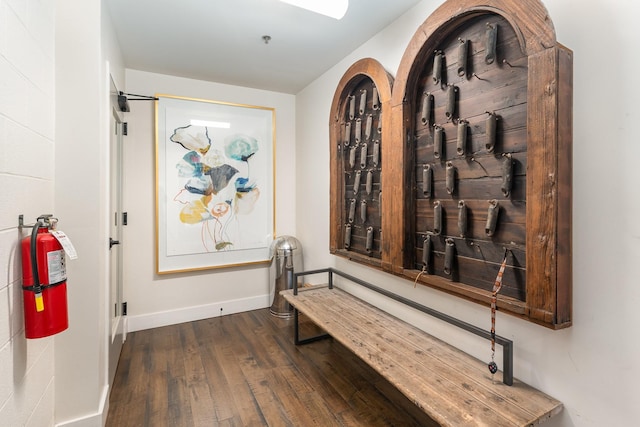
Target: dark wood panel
{"x": 480, "y": 274}
{"x": 476, "y": 248}
{"x": 510, "y": 141}
{"x": 482, "y": 166}
{"x": 498, "y": 87}
{"x": 473, "y": 30}
{"x": 350, "y": 174}
{"x": 510, "y": 212}
{"x": 484, "y": 86}
{"x": 475, "y": 98}
{"x": 359, "y": 241}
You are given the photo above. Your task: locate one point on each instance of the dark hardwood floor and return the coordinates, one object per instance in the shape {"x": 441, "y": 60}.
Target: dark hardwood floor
{"x": 244, "y": 370}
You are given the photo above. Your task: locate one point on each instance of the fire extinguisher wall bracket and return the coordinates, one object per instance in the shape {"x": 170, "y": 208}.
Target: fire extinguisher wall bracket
{"x": 46, "y": 217}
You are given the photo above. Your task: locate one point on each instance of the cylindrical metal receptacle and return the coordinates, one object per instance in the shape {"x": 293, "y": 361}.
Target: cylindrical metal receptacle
{"x": 286, "y": 259}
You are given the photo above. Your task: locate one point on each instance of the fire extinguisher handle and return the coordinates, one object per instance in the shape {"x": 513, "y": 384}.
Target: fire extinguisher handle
{"x": 113, "y": 242}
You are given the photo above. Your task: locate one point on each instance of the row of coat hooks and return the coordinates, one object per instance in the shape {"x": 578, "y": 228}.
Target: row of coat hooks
{"x": 491, "y": 38}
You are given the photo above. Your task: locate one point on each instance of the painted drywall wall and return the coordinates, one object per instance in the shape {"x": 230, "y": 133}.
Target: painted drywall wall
{"x": 156, "y": 300}
{"x": 592, "y": 366}
{"x": 111, "y": 53}
{"x": 86, "y": 52}
{"x": 80, "y": 204}
{"x": 27, "y": 115}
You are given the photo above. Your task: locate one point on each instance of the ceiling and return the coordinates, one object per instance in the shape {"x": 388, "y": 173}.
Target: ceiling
{"x": 222, "y": 40}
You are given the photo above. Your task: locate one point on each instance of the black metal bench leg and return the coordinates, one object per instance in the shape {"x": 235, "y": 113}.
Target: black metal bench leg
{"x": 296, "y": 332}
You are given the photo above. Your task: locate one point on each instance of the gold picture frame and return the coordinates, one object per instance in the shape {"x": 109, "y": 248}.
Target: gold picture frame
{"x": 215, "y": 184}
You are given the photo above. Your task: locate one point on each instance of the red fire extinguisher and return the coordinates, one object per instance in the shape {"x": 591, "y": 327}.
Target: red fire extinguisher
{"x": 44, "y": 285}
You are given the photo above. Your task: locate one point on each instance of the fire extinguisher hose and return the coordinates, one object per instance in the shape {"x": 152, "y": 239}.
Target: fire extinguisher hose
{"x": 37, "y": 288}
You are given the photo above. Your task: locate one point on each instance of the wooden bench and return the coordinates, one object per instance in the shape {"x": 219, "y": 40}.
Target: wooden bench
{"x": 452, "y": 387}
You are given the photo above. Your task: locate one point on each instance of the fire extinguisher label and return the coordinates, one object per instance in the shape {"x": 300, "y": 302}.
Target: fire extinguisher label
{"x": 65, "y": 242}
{"x": 55, "y": 265}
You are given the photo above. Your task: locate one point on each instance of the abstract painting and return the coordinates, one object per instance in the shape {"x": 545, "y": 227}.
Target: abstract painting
{"x": 214, "y": 183}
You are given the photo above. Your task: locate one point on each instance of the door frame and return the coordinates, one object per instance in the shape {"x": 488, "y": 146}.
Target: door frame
{"x": 117, "y": 330}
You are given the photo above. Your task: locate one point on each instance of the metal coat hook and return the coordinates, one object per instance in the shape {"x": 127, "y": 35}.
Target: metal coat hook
{"x": 347, "y": 236}
{"x": 491, "y": 41}
{"x": 504, "y": 61}
{"x": 437, "y": 66}
{"x": 473, "y": 159}
{"x": 369, "y": 242}
{"x": 490, "y": 130}
{"x": 449, "y": 256}
{"x": 462, "y": 57}
{"x": 437, "y": 218}
{"x": 426, "y": 253}
{"x": 438, "y": 139}
{"x": 462, "y": 218}
{"x": 461, "y": 142}
{"x": 450, "y": 108}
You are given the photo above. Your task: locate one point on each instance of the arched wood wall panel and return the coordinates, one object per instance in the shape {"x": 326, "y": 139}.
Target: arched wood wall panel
{"x": 359, "y": 126}
{"x": 473, "y": 130}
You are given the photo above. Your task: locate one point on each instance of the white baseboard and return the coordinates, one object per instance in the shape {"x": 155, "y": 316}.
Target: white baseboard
{"x": 98, "y": 419}
{"x": 189, "y": 314}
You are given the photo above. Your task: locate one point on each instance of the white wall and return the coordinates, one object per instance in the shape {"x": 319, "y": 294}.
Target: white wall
{"x": 154, "y": 300}
{"x": 85, "y": 44}
{"x": 26, "y": 187}
{"x": 592, "y": 366}
{"x": 80, "y": 203}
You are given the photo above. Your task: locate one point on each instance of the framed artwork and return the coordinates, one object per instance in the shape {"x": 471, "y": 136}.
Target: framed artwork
{"x": 214, "y": 184}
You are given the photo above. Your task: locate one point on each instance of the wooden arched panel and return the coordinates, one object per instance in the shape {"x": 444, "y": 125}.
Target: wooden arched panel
{"x": 528, "y": 87}
{"x": 358, "y": 149}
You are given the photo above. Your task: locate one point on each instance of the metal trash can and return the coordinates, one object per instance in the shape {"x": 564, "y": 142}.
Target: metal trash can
{"x": 286, "y": 259}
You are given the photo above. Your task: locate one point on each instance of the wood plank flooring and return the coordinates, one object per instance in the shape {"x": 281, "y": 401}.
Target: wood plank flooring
{"x": 244, "y": 370}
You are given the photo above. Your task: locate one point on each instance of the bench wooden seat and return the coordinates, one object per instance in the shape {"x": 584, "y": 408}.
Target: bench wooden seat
{"x": 452, "y": 387}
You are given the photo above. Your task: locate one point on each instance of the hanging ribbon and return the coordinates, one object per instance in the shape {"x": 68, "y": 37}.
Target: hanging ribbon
{"x": 493, "y": 367}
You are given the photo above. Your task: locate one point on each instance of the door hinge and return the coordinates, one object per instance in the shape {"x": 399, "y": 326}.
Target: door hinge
{"x": 125, "y": 218}
{"x": 124, "y": 308}
{"x": 125, "y": 128}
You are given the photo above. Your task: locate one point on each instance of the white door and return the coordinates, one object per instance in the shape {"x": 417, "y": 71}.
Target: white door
{"x": 116, "y": 332}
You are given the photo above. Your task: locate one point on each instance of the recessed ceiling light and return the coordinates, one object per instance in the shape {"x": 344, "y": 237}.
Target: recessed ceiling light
{"x": 333, "y": 8}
